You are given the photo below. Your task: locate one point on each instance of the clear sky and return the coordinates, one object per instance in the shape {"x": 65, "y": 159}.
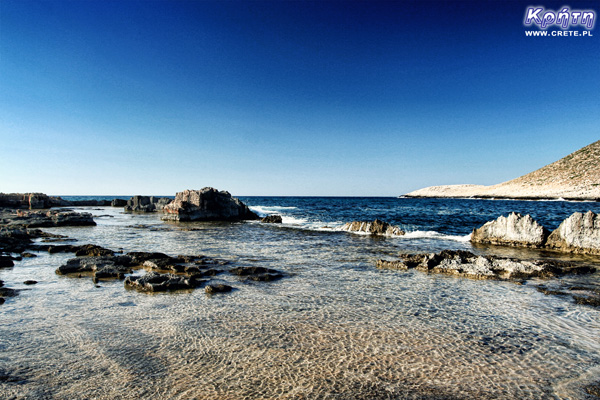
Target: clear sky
{"x": 286, "y": 98}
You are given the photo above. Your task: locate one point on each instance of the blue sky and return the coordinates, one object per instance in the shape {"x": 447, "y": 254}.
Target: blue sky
{"x": 286, "y": 98}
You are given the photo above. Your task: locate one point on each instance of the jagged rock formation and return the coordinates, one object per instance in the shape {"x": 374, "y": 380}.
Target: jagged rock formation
{"x": 467, "y": 264}
{"x": 25, "y": 200}
{"x": 207, "y": 204}
{"x": 377, "y": 227}
{"x": 514, "y": 230}
{"x": 574, "y": 177}
{"x": 580, "y": 233}
{"x": 146, "y": 203}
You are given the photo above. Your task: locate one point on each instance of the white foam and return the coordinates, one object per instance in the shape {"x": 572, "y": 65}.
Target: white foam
{"x": 263, "y": 211}
{"x": 435, "y": 235}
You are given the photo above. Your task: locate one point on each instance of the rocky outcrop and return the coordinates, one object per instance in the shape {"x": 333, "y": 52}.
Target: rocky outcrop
{"x": 146, "y": 203}
{"x": 272, "y": 219}
{"x": 51, "y": 218}
{"x": 467, "y": 264}
{"x": 25, "y": 200}
{"x": 207, "y": 204}
{"x": 377, "y": 227}
{"x": 580, "y": 233}
{"x": 514, "y": 230}
{"x": 118, "y": 203}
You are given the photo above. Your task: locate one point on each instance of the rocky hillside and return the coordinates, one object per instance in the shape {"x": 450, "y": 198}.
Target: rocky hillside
{"x": 576, "y": 177}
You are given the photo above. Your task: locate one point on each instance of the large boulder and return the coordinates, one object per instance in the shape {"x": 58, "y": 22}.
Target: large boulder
{"x": 580, "y": 233}
{"x": 514, "y": 230}
{"x": 207, "y": 204}
{"x": 377, "y": 227}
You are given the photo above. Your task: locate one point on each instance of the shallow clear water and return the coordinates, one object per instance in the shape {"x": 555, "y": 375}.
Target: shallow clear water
{"x": 335, "y": 328}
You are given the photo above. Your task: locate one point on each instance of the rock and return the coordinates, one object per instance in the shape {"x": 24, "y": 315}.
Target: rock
{"x": 2, "y": 300}
{"x": 91, "y": 250}
{"x": 28, "y": 255}
{"x": 146, "y": 203}
{"x": 118, "y": 203}
{"x": 30, "y": 282}
{"x": 207, "y": 204}
{"x": 272, "y": 219}
{"x": 8, "y": 292}
{"x": 261, "y": 274}
{"x": 398, "y": 264}
{"x": 155, "y": 282}
{"x": 467, "y": 264}
{"x": 514, "y": 230}
{"x": 25, "y": 200}
{"x": 106, "y": 264}
{"x": 377, "y": 227}
{"x": 217, "y": 288}
{"x": 6, "y": 262}
{"x": 139, "y": 257}
{"x": 51, "y": 218}
{"x": 580, "y": 233}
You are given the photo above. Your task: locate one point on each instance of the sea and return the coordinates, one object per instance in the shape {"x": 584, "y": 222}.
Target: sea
{"x": 335, "y": 327}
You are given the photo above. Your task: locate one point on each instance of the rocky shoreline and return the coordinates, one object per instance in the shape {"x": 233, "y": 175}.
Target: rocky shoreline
{"x": 578, "y": 234}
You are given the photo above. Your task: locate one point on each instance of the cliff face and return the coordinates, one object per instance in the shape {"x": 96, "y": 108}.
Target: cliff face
{"x": 576, "y": 176}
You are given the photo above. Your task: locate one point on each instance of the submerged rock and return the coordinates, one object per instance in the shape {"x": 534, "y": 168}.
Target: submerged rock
{"x": 514, "y": 230}
{"x": 260, "y": 274}
{"x": 467, "y": 264}
{"x": 155, "y": 282}
{"x": 217, "y": 288}
{"x": 580, "y": 233}
{"x": 207, "y": 204}
{"x": 272, "y": 219}
{"x": 377, "y": 227}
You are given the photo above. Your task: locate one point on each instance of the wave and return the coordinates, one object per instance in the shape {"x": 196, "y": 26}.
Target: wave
{"x": 263, "y": 211}
{"x": 435, "y": 235}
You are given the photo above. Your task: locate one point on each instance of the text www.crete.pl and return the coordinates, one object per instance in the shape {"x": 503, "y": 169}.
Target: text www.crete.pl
{"x": 558, "y": 33}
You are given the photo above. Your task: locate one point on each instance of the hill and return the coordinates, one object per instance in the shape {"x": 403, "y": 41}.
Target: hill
{"x": 574, "y": 177}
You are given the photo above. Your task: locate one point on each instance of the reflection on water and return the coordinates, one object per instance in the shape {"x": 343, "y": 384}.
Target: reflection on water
{"x": 336, "y": 328}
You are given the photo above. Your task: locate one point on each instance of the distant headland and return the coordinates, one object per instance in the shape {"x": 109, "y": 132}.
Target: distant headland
{"x": 574, "y": 177}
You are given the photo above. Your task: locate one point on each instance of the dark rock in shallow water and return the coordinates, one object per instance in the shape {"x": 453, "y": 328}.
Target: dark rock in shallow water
{"x": 8, "y": 292}
{"x": 593, "y": 301}
{"x": 30, "y": 282}
{"x": 257, "y": 273}
{"x": 377, "y": 227}
{"x": 6, "y": 262}
{"x": 104, "y": 265}
{"x": 217, "y": 288}
{"x": 207, "y": 204}
{"x": 514, "y": 230}
{"x": 467, "y": 264}
{"x": 272, "y": 219}
{"x": 155, "y": 282}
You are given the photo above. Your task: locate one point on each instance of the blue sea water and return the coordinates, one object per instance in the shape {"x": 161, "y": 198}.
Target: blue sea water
{"x": 453, "y": 217}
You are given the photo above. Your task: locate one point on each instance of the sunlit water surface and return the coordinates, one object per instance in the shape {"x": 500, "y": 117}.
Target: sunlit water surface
{"x": 334, "y": 328}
